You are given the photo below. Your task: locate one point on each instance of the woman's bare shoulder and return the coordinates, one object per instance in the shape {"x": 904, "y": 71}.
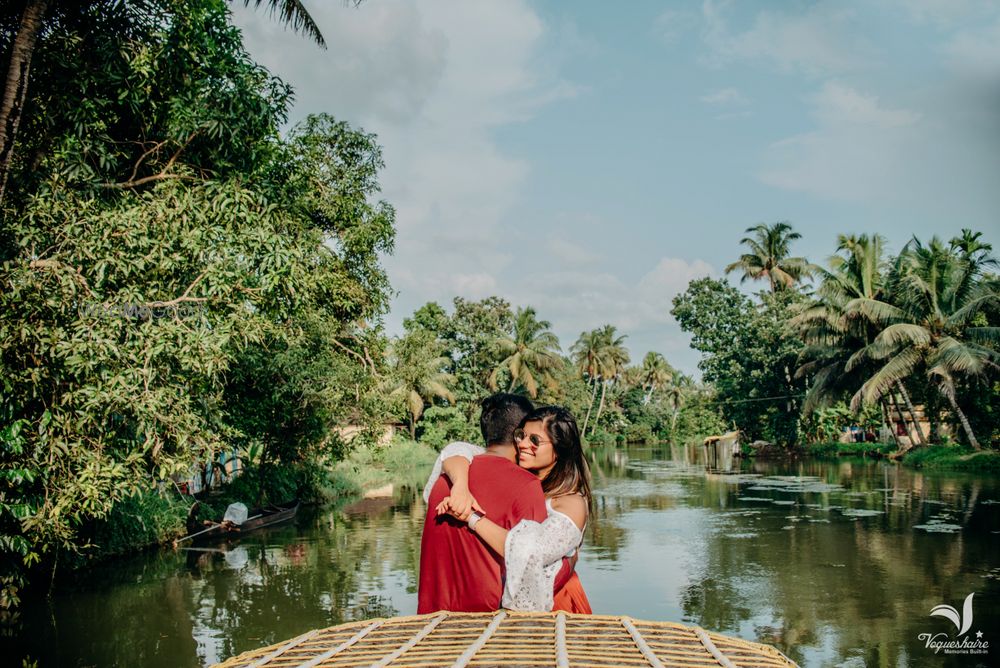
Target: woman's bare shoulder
{"x": 572, "y": 505}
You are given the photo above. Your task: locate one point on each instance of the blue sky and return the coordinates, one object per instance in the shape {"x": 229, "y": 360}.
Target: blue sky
{"x": 591, "y": 158}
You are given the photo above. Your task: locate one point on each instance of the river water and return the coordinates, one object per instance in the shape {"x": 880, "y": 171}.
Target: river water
{"x": 836, "y": 563}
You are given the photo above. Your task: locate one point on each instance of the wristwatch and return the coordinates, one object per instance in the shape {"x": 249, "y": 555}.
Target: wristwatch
{"x": 474, "y": 517}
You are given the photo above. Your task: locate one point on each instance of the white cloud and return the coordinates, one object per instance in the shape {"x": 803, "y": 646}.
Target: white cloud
{"x": 838, "y": 104}
{"x": 725, "y": 97}
{"x": 434, "y": 80}
{"x": 577, "y": 300}
{"x": 976, "y": 52}
{"x": 672, "y": 24}
{"x": 668, "y": 278}
{"x": 944, "y": 13}
{"x": 569, "y": 253}
{"x": 382, "y": 62}
{"x": 855, "y": 152}
{"x": 817, "y": 41}
{"x": 933, "y": 158}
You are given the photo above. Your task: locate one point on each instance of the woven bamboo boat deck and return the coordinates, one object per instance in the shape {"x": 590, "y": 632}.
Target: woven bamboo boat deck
{"x": 511, "y": 639}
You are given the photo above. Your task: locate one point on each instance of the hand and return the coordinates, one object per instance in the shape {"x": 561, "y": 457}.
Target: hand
{"x": 460, "y": 504}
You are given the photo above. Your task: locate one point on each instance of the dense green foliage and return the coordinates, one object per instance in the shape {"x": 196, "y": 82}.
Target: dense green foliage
{"x": 453, "y": 360}
{"x": 876, "y": 337}
{"x": 749, "y": 355}
{"x": 178, "y": 279}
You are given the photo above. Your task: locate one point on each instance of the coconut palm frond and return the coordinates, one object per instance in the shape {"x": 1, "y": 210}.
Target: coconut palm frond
{"x": 898, "y": 368}
{"x": 973, "y": 307}
{"x": 819, "y": 393}
{"x": 956, "y": 357}
{"x": 875, "y": 311}
{"x": 292, "y": 13}
{"x": 903, "y": 333}
{"x": 984, "y": 335}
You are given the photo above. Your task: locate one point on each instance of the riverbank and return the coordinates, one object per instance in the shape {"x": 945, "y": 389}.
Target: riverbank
{"x": 158, "y": 516}
{"x": 959, "y": 458}
{"x": 837, "y": 449}
{"x": 950, "y": 457}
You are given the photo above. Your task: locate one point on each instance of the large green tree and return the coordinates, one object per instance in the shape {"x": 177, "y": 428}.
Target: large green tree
{"x": 656, "y": 373}
{"x": 833, "y": 334}
{"x": 612, "y": 359}
{"x": 749, "y": 355}
{"x": 23, "y": 22}
{"x": 584, "y": 354}
{"x": 162, "y": 245}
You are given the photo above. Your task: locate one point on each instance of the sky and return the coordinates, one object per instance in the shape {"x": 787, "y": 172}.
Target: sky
{"x": 591, "y": 158}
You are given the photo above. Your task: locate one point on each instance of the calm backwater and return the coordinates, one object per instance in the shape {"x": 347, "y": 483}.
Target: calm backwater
{"x": 837, "y": 563}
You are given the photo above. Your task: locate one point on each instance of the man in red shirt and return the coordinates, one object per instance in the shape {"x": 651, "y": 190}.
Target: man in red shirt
{"x": 458, "y": 571}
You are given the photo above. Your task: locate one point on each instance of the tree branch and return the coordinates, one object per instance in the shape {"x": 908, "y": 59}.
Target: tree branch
{"x": 365, "y": 359}
{"x": 184, "y": 297}
{"x": 133, "y": 182}
{"x": 56, "y": 265}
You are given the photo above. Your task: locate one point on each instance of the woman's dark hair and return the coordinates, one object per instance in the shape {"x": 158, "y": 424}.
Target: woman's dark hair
{"x": 570, "y": 474}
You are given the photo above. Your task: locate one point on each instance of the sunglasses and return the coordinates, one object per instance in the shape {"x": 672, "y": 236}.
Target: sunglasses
{"x": 519, "y": 436}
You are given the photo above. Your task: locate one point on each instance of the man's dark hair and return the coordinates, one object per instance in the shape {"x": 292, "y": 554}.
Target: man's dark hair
{"x": 501, "y": 415}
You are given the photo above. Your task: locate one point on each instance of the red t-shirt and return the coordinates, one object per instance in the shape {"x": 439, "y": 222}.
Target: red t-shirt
{"x": 458, "y": 571}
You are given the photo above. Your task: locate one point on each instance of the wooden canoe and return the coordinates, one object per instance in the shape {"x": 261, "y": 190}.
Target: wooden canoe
{"x": 257, "y": 518}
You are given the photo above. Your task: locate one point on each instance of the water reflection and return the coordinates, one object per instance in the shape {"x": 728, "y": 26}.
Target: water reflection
{"x": 835, "y": 563}
{"x": 831, "y": 562}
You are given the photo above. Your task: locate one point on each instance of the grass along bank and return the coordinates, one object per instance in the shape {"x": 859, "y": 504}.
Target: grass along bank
{"x": 837, "y": 449}
{"x": 402, "y": 463}
{"x": 955, "y": 457}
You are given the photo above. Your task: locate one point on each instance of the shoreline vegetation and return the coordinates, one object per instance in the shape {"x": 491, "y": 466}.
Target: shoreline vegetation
{"x": 183, "y": 283}
{"x": 936, "y": 457}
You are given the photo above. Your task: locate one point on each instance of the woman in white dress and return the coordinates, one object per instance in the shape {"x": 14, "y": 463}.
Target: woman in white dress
{"x": 548, "y": 444}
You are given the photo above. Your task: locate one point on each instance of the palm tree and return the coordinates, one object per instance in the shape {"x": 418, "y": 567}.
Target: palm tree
{"x": 612, "y": 357}
{"x": 768, "y": 257}
{"x": 418, "y": 375}
{"x": 656, "y": 373}
{"x": 633, "y": 377}
{"x": 584, "y": 354}
{"x": 15, "y": 88}
{"x": 931, "y": 322}
{"x": 833, "y": 335}
{"x": 675, "y": 394}
{"x": 532, "y": 352}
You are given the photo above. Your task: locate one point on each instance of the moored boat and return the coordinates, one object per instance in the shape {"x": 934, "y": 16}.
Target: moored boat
{"x": 257, "y": 518}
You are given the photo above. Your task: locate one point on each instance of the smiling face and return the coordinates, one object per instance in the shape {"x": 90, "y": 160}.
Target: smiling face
{"x": 535, "y": 450}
